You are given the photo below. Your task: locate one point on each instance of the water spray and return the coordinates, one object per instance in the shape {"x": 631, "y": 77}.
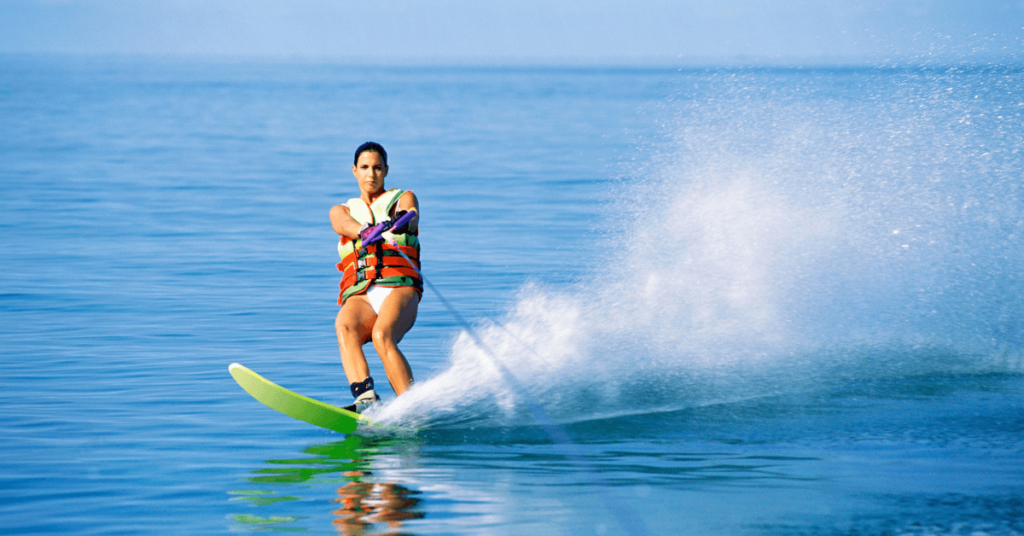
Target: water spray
{"x": 624, "y": 515}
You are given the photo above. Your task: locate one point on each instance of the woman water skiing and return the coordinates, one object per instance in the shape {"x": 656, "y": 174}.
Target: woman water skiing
{"x": 381, "y": 286}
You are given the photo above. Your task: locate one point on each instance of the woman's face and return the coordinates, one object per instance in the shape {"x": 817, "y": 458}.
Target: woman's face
{"x": 370, "y": 172}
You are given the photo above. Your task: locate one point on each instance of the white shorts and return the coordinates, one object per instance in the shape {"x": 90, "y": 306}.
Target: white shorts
{"x": 377, "y": 295}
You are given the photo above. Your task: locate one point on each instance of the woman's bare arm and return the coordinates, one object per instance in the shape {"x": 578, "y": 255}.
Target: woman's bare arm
{"x": 343, "y": 222}
{"x": 408, "y": 201}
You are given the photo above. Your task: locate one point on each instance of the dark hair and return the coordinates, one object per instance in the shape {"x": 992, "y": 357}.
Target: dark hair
{"x": 371, "y": 146}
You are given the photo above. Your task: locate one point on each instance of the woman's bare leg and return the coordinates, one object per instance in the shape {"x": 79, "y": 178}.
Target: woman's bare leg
{"x": 354, "y": 326}
{"x": 397, "y": 316}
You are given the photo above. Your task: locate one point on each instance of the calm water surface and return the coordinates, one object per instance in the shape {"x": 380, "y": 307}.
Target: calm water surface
{"x": 756, "y": 301}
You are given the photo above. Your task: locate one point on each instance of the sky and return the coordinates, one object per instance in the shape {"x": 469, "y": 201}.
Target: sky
{"x": 530, "y": 31}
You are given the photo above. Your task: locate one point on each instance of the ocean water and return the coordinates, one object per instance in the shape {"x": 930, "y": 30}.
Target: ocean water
{"x": 697, "y": 301}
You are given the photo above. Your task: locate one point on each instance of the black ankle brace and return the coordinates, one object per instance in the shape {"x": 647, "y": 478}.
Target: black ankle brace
{"x": 359, "y": 388}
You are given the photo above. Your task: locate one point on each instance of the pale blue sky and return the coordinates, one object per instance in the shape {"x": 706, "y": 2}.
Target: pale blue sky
{"x": 601, "y": 31}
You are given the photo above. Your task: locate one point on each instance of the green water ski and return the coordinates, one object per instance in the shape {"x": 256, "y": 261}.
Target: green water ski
{"x": 295, "y": 405}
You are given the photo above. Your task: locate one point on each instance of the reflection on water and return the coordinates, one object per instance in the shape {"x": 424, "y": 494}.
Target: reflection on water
{"x": 365, "y": 505}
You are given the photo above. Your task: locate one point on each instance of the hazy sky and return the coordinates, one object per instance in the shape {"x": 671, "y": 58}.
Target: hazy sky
{"x": 525, "y": 30}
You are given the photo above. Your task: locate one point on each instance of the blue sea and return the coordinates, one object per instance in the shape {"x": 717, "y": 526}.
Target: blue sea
{"x": 672, "y": 301}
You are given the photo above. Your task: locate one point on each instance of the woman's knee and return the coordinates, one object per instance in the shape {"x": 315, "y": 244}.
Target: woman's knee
{"x": 383, "y": 335}
{"x": 348, "y": 327}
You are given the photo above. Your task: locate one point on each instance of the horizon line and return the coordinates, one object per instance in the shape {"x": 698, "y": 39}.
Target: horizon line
{"x": 620, "y": 62}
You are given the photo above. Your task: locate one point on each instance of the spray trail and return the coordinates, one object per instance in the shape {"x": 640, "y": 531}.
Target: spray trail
{"x": 784, "y": 235}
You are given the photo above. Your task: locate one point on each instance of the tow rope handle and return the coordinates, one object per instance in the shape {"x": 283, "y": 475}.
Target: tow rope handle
{"x": 380, "y": 230}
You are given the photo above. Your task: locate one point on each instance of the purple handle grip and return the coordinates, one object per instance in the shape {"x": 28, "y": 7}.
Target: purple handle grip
{"x": 384, "y": 227}
{"x": 406, "y": 218}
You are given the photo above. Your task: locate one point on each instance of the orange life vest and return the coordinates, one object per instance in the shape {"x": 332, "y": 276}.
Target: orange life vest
{"x": 381, "y": 263}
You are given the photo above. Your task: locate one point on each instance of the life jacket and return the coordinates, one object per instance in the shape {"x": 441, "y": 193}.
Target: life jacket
{"x": 378, "y": 264}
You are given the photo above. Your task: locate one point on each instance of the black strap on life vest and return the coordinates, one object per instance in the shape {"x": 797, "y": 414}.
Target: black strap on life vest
{"x": 380, "y": 259}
